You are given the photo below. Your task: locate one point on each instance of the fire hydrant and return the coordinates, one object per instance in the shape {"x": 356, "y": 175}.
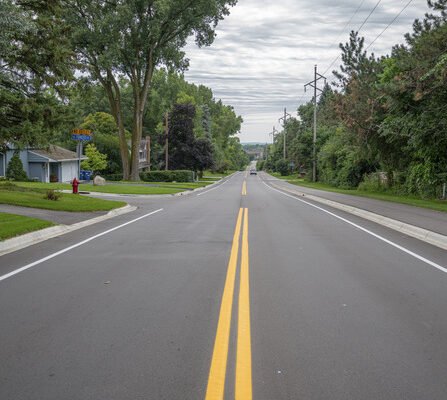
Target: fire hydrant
{"x": 75, "y": 184}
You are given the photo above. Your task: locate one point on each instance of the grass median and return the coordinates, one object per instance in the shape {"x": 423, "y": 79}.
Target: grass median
{"x": 432, "y": 204}
{"x": 12, "y": 225}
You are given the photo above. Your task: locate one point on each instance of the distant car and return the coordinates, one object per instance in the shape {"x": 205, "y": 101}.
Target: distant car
{"x": 253, "y": 172}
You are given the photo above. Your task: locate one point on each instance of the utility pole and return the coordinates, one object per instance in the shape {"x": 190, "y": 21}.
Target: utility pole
{"x": 166, "y": 141}
{"x": 284, "y": 119}
{"x": 314, "y": 84}
{"x": 272, "y": 133}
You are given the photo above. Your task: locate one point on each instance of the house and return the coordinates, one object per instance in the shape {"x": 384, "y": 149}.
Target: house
{"x": 53, "y": 164}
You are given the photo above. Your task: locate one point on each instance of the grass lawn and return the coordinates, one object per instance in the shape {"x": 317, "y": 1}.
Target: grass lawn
{"x": 177, "y": 185}
{"x": 33, "y": 197}
{"x": 13, "y": 225}
{"x": 438, "y": 205}
{"x": 122, "y": 187}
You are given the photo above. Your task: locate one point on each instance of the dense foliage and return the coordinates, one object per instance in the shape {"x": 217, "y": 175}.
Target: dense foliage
{"x": 104, "y": 66}
{"x": 383, "y": 125}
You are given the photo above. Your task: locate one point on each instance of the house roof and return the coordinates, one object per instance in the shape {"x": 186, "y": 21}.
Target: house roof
{"x": 56, "y": 153}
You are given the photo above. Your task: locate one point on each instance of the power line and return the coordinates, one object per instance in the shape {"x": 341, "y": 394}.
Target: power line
{"x": 391, "y": 23}
{"x": 342, "y": 30}
{"x": 358, "y": 30}
{"x": 367, "y": 18}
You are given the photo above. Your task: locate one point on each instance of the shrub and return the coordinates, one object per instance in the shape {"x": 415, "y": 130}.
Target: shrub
{"x": 372, "y": 183}
{"x": 52, "y": 195}
{"x": 168, "y": 176}
{"x": 282, "y": 166}
{"x": 422, "y": 180}
{"x": 15, "y": 169}
{"x": 113, "y": 177}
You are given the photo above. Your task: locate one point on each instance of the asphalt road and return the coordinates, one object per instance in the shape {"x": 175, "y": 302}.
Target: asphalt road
{"x": 238, "y": 291}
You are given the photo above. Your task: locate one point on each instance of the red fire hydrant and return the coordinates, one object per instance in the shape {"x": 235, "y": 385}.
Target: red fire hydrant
{"x": 75, "y": 184}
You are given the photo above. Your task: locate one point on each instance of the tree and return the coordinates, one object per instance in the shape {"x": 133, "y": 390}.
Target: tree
{"x": 203, "y": 155}
{"x": 34, "y": 65}
{"x": 96, "y": 161}
{"x": 105, "y": 138}
{"x": 15, "y": 168}
{"x": 182, "y": 141}
{"x": 130, "y": 38}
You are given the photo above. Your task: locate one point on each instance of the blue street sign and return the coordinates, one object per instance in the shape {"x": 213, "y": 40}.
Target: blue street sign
{"x": 81, "y": 137}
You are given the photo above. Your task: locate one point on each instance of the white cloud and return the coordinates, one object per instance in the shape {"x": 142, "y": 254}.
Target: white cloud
{"x": 265, "y": 51}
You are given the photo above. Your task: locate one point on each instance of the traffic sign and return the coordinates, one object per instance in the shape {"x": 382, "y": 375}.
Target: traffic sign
{"x": 81, "y": 137}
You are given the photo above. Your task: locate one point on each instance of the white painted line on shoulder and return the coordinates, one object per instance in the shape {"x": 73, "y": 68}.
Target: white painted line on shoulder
{"x": 397, "y": 246}
{"x": 58, "y": 253}
{"x": 214, "y": 188}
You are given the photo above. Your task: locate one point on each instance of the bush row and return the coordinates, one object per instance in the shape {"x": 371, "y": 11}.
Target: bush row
{"x": 168, "y": 176}
{"x": 159, "y": 176}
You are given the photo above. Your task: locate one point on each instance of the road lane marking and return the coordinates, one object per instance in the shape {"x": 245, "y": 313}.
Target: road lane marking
{"x": 214, "y": 188}
{"x": 244, "y": 188}
{"x": 58, "y": 253}
{"x": 397, "y": 246}
{"x": 243, "y": 388}
{"x": 216, "y": 378}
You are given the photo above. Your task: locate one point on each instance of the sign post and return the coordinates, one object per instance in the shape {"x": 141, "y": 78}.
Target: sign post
{"x": 81, "y": 136}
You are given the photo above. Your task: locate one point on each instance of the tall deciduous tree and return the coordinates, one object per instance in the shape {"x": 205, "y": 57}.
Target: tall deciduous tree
{"x": 130, "y": 38}
{"x": 33, "y": 56}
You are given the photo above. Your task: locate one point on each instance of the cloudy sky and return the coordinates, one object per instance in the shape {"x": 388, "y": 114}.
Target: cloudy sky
{"x": 265, "y": 51}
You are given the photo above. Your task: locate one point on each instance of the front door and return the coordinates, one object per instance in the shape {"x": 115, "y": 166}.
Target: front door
{"x": 54, "y": 172}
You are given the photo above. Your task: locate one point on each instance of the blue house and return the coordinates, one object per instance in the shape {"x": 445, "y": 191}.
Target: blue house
{"x": 53, "y": 164}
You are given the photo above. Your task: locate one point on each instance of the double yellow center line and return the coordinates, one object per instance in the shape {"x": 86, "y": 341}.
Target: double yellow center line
{"x": 244, "y": 188}
{"x": 243, "y": 380}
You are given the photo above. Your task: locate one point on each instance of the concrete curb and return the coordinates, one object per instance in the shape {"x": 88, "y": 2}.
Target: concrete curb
{"x": 433, "y": 238}
{"x": 20, "y": 242}
{"x": 221, "y": 181}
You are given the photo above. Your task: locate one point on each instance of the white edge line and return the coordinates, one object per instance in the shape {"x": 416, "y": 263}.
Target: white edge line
{"x": 397, "y": 246}
{"x": 214, "y": 188}
{"x": 40, "y": 261}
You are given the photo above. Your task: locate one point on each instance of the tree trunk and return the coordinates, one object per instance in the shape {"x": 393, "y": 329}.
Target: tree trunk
{"x": 137, "y": 134}
{"x": 140, "y": 100}
{"x": 113, "y": 93}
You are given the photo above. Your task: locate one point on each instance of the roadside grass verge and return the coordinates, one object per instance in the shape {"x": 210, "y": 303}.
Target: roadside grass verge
{"x": 432, "y": 204}
{"x": 129, "y": 189}
{"x": 12, "y": 225}
{"x": 34, "y": 197}
{"x": 123, "y": 187}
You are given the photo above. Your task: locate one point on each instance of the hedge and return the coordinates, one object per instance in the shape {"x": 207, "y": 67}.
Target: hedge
{"x": 159, "y": 176}
{"x": 168, "y": 176}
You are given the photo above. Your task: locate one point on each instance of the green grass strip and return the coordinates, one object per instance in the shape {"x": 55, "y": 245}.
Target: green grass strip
{"x": 12, "y": 225}
{"x": 431, "y": 204}
{"x": 67, "y": 202}
{"x": 116, "y": 188}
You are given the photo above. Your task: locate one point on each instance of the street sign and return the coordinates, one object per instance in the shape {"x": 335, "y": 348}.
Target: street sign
{"x": 81, "y": 132}
{"x": 81, "y": 137}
